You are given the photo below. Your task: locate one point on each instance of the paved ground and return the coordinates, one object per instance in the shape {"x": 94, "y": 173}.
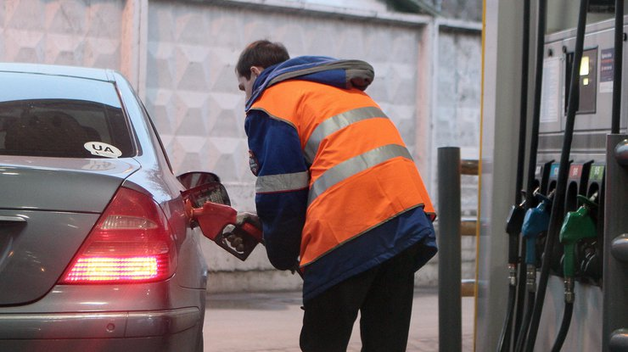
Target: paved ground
{"x": 271, "y": 322}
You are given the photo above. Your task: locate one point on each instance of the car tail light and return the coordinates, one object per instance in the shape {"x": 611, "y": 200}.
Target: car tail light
{"x": 131, "y": 242}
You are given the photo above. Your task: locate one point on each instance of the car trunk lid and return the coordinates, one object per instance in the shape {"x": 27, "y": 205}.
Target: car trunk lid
{"x": 47, "y": 208}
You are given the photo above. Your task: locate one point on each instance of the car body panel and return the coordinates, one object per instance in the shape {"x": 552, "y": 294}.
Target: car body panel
{"x": 31, "y": 264}
{"x": 98, "y": 325}
{"x": 154, "y": 296}
{"x": 183, "y": 341}
{"x": 161, "y": 312}
{"x": 61, "y": 184}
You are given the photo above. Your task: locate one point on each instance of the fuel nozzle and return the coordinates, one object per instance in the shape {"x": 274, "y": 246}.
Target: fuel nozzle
{"x": 578, "y": 225}
{"x": 208, "y": 207}
{"x": 536, "y": 221}
{"x": 240, "y": 239}
{"x": 219, "y": 223}
{"x": 515, "y": 219}
{"x": 513, "y": 229}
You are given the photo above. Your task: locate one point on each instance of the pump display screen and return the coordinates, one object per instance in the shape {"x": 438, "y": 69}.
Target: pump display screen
{"x": 584, "y": 70}
{"x": 588, "y": 82}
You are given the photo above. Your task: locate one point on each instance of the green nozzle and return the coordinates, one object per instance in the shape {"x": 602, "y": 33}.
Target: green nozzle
{"x": 577, "y": 226}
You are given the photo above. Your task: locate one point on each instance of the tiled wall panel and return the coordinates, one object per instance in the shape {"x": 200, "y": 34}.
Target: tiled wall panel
{"x": 68, "y": 32}
{"x": 192, "y": 91}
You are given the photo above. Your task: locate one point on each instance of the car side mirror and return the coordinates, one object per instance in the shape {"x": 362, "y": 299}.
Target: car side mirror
{"x": 203, "y": 187}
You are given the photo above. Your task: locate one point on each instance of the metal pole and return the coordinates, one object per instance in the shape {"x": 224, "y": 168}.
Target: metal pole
{"x": 618, "y": 59}
{"x": 449, "y": 262}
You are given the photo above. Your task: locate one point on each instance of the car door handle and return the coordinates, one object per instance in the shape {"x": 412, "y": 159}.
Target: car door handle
{"x": 4, "y": 218}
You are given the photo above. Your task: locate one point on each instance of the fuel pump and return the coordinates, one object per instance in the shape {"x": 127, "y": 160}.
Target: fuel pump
{"x": 581, "y": 73}
{"x": 559, "y": 197}
{"x": 580, "y": 233}
{"x": 578, "y": 225}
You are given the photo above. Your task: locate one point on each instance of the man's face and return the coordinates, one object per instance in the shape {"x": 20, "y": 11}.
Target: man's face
{"x": 246, "y": 85}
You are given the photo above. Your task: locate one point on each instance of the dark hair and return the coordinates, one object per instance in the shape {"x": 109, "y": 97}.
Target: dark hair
{"x": 261, "y": 53}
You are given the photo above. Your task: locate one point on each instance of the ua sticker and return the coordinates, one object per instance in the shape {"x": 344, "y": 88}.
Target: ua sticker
{"x": 103, "y": 149}
{"x": 253, "y": 164}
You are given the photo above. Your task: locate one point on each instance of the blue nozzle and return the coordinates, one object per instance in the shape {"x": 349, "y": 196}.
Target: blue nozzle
{"x": 535, "y": 222}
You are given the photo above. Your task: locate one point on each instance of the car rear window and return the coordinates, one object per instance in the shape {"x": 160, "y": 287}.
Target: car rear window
{"x": 59, "y": 116}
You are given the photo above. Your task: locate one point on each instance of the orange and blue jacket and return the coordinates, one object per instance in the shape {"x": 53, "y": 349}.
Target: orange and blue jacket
{"x": 337, "y": 190}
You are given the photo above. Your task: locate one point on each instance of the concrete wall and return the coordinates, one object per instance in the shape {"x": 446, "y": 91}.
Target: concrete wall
{"x": 69, "y": 32}
{"x": 180, "y": 56}
{"x": 455, "y": 122}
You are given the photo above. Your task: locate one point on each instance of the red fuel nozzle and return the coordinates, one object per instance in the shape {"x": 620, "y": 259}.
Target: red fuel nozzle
{"x": 240, "y": 240}
{"x": 218, "y": 223}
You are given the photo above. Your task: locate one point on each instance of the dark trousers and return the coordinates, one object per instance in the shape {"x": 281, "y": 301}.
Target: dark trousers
{"x": 383, "y": 296}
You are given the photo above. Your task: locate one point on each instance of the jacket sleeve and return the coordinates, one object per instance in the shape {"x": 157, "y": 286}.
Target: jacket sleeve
{"x": 281, "y": 189}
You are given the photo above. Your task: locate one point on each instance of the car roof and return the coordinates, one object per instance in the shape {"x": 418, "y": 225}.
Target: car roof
{"x": 58, "y": 70}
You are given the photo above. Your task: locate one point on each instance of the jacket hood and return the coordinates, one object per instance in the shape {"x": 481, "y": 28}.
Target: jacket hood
{"x": 344, "y": 74}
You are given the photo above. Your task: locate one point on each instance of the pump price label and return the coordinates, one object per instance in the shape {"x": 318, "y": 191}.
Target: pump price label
{"x": 597, "y": 173}
{"x": 607, "y": 70}
{"x": 575, "y": 171}
{"x": 554, "y": 170}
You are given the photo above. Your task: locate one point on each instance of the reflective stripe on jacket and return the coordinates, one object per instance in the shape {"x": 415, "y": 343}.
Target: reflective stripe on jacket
{"x": 360, "y": 172}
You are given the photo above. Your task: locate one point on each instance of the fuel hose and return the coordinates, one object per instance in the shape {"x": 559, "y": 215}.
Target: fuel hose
{"x": 564, "y": 328}
{"x": 523, "y": 299}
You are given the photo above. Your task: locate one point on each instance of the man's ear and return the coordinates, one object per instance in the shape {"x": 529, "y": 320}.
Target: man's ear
{"x": 256, "y": 70}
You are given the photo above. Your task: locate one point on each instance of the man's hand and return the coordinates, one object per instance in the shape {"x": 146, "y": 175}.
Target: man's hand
{"x": 247, "y": 232}
{"x": 248, "y": 218}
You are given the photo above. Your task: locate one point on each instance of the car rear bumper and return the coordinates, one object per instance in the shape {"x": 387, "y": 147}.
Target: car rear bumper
{"x": 186, "y": 341}
{"x": 98, "y": 325}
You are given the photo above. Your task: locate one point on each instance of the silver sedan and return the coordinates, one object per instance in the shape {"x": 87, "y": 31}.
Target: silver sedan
{"x": 96, "y": 250}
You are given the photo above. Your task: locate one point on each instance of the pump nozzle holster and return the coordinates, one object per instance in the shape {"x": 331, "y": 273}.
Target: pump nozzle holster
{"x": 578, "y": 225}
